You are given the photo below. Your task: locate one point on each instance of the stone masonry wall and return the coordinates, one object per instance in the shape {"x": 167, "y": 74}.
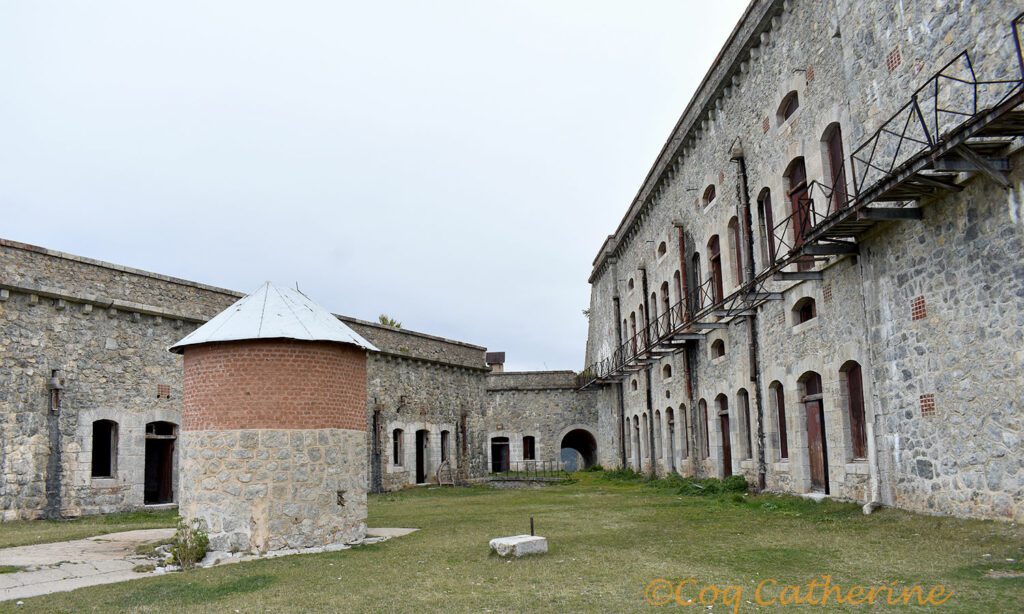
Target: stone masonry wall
{"x": 272, "y": 489}
{"x": 544, "y": 405}
{"x": 851, "y": 65}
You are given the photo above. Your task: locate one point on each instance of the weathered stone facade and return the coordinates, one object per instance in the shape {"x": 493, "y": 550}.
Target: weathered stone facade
{"x": 544, "y": 405}
{"x": 105, "y": 330}
{"x": 272, "y": 489}
{"x": 929, "y": 313}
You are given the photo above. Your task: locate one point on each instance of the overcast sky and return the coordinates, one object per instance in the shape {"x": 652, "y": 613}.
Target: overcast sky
{"x": 454, "y": 164}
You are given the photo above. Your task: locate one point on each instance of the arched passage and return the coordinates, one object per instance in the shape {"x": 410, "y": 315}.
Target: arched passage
{"x": 582, "y": 442}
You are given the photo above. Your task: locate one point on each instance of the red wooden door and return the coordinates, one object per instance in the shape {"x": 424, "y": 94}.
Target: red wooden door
{"x": 726, "y": 446}
{"x": 835, "y": 161}
{"x": 816, "y": 450}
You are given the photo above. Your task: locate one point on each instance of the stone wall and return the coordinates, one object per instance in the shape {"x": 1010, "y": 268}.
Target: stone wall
{"x": 106, "y": 328}
{"x": 544, "y": 405}
{"x": 271, "y": 489}
{"x": 850, "y": 65}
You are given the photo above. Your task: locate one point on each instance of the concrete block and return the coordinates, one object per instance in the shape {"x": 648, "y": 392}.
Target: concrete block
{"x": 519, "y": 545}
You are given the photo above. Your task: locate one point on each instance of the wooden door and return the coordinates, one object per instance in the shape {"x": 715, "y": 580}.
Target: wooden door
{"x": 726, "y": 446}
{"x": 816, "y": 448}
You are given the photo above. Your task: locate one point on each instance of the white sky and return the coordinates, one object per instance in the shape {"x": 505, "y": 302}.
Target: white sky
{"x": 454, "y": 164}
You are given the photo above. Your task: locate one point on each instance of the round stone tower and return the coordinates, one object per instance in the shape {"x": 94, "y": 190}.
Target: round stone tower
{"x": 273, "y": 436}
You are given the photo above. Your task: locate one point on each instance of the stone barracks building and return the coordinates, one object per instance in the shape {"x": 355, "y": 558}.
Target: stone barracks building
{"x": 820, "y": 283}
{"x": 91, "y": 400}
{"x": 819, "y": 286}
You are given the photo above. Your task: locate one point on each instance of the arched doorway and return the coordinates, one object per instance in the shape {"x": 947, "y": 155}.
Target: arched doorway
{"x": 584, "y": 445}
{"x": 159, "y": 471}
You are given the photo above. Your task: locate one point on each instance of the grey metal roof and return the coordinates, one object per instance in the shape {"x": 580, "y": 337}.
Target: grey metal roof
{"x": 273, "y": 312}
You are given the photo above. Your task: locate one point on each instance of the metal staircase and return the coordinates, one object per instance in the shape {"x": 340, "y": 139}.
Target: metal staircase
{"x": 953, "y": 124}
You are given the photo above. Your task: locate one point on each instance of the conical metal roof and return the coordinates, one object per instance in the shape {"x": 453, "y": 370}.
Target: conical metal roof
{"x": 273, "y": 312}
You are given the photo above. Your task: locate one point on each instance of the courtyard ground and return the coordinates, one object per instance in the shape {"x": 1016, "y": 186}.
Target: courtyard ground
{"x": 610, "y": 537}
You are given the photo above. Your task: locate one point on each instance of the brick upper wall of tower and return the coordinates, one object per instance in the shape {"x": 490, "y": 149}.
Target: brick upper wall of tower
{"x": 274, "y": 384}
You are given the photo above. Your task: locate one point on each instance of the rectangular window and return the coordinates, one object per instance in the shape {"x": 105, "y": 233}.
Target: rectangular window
{"x": 104, "y": 448}
{"x": 396, "y": 448}
{"x": 529, "y": 448}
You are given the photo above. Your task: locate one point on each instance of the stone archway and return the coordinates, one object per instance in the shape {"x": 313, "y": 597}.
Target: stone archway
{"x": 581, "y": 440}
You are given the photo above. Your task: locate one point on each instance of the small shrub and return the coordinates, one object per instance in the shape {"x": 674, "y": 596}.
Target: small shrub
{"x": 190, "y": 543}
{"x": 735, "y": 483}
{"x": 594, "y": 468}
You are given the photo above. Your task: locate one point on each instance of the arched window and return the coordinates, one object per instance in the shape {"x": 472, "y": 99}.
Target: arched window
{"x": 736, "y": 251}
{"x": 657, "y": 434}
{"x": 698, "y": 301}
{"x": 832, "y": 140}
{"x": 666, "y": 372}
{"x": 445, "y": 445}
{"x": 654, "y": 307}
{"x": 645, "y": 432}
{"x": 529, "y": 448}
{"x": 715, "y": 266}
{"x": 670, "y": 432}
{"x": 677, "y": 280}
{"x": 743, "y": 402}
{"x": 854, "y": 391}
{"x": 778, "y": 397}
{"x": 705, "y": 439}
{"x": 804, "y": 310}
{"x": 629, "y": 284}
{"x": 637, "y": 449}
{"x": 625, "y": 331}
{"x": 717, "y": 348}
{"x": 709, "y": 195}
{"x": 684, "y": 448}
{"x": 397, "y": 447}
{"x": 632, "y": 330}
{"x": 800, "y": 205}
{"x": 767, "y": 227}
{"x": 633, "y": 384}
{"x": 662, "y": 249}
{"x": 666, "y": 303}
{"x": 104, "y": 449}
{"x": 790, "y": 103}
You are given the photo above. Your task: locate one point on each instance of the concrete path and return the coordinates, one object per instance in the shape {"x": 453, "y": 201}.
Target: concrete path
{"x": 65, "y": 566}
{"x": 104, "y": 559}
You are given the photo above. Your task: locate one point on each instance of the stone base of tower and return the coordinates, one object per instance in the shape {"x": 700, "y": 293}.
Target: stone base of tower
{"x": 260, "y": 490}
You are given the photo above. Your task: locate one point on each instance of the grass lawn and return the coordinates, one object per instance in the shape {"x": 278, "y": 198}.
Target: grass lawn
{"x": 609, "y": 538}
{"x": 29, "y": 532}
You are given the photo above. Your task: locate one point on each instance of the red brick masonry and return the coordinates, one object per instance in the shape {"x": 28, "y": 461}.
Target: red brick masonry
{"x": 274, "y": 384}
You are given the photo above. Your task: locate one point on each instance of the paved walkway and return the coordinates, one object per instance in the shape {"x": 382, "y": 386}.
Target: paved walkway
{"x": 104, "y": 559}
{"x": 65, "y": 566}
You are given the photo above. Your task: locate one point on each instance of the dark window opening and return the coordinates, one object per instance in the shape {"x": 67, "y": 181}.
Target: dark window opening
{"x": 788, "y": 107}
{"x": 717, "y": 348}
{"x": 529, "y": 448}
{"x": 445, "y": 443}
{"x": 780, "y": 411}
{"x": 397, "y": 452}
{"x": 662, "y": 249}
{"x": 666, "y": 371}
{"x": 837, "y": 170}
{"x": 709, "y": 195}
{"x": 499, "y": 455}
{"x": 804, "y": 310}
{"x": 764, "y": 212}
{"x": 104, "y": 448}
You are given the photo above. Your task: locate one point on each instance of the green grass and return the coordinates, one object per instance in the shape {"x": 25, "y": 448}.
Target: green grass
{"x": 30, "y": 532}
{"x": 10, "y": 568}
{"x": 609, "y": 535}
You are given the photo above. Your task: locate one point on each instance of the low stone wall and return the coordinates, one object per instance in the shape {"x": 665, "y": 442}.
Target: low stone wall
{"x": 270, "y": 489}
